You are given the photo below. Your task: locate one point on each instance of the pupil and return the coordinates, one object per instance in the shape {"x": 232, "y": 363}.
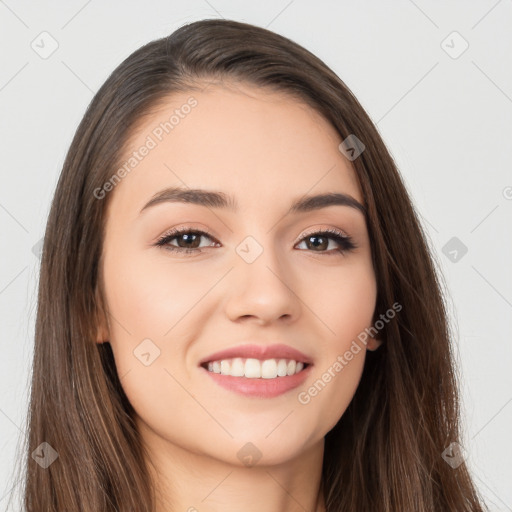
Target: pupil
{"x": 190, "y": 238}
{"x": 323, "y": 244}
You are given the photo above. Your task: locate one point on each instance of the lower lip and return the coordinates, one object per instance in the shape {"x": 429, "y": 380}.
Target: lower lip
{"x": 261, "y": 388}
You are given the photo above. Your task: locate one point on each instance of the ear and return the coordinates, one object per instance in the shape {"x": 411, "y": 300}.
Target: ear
{"x": 374, "y": 343}
{"x": 102, "y": 332}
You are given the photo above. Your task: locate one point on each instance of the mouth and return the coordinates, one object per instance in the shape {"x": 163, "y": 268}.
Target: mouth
{"x": 251, "y": 368}
{"x": 262, "y": 371}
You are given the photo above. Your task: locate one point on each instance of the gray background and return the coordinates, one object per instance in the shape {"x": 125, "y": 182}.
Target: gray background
{"x": 443, "y": 112}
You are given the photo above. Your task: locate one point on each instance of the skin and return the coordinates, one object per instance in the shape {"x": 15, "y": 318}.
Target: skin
{"x": 267, "y": 150}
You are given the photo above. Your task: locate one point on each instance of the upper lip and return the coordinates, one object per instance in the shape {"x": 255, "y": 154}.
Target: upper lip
{"x": 277, "y": 351}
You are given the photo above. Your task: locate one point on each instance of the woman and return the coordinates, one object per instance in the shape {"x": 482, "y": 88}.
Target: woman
{"x": 237, "y": 306}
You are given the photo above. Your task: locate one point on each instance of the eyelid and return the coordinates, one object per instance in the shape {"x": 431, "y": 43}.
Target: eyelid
{"x": 317, "y": 230}
{"x": 186, "y": 229}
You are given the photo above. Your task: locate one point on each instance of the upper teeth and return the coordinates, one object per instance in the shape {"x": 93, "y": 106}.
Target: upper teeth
{"x": 256, "y": 369}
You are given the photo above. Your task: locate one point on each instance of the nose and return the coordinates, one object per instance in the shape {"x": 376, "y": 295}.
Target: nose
{"x": 263, "y": 291}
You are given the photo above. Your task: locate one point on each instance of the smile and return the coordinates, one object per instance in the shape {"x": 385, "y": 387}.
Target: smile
{"x": 251, "y": 368}
{"x": 263, "y": 379}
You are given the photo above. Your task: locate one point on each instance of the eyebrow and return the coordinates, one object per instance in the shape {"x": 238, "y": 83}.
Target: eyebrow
{"x": 216, "y": 199}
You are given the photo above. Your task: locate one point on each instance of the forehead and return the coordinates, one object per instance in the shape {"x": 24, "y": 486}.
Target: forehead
{"x": 258, "y": 145}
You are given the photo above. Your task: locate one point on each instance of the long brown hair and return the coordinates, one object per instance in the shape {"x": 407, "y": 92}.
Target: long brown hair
{"x": 385, "y": 453}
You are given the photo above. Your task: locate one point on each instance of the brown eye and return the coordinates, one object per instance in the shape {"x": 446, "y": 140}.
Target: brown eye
{"x": 320, "y": 242}
{"x": 187, "y": 240}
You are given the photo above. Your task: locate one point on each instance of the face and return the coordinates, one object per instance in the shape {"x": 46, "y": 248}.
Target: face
{"x": 249, "y": 273}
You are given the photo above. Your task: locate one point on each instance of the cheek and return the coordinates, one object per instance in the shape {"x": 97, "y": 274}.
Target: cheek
{"x": 154, "y": 310}
{"x": 149, "y": 306}
{"x": 344, "y": 304}
{"x": 345, "y": 309}
{"x": 149, "y": 297}
{"x": 330, "y": 392}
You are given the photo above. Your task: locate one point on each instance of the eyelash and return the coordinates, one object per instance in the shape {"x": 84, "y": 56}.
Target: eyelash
{"x": 345, "y": 241}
